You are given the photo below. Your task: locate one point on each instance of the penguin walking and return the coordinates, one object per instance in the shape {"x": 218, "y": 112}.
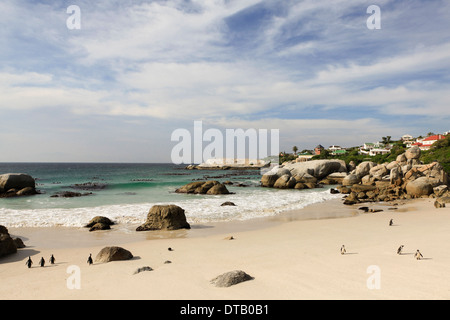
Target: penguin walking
{"x": 343, "y": 251}
{"x": 29, "y": 262}
{"x": 89, "y": 260}
{"x": 52, "y": 259}
{"x": 42, "y": 262}
{"x": 399, "y": 250}
{"x": 418, "y": 255}
{"x": 391, "y": 222}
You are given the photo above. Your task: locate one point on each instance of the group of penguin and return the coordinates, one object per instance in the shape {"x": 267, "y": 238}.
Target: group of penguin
{"x": 52, "y": 260}
{"x": 417, "y": 255}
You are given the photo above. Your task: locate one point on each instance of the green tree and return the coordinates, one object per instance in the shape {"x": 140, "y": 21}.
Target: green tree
{"x": 295, "y": 149}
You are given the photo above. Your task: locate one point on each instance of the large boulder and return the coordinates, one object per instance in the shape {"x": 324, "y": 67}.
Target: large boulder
{"x": 316, "y": 168}
{"x": 17, "y": 181}
{"x": 395, "y": 176}
{"x": 285, "y": 182}
{"x": 350, "y": 180}
{"x": 165, "y": 217}
{"x": 379, "y": 171}
{"x": 204, "y": 187}
{"x": 413, "y": 153}
{"x": 108, "y": 254}
{"x": 419, "y": 187}
{"x": 7, "y": 244}
{"x": 364, "y": 168}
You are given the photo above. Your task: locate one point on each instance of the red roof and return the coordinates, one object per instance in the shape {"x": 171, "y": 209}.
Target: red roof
{"x": 435, "y": 137}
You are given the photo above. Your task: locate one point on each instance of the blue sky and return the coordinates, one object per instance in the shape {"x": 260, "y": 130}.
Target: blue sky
{"x": 117, "y": 88}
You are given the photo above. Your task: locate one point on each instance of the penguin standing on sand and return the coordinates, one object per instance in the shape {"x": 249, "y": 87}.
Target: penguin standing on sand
{"x": 42, "y": 262}
{"x": 343, "y": 251}
{"x": 89, "y": 260}
{"x": 399, "y": 250}
{"x": 52, "y": 259}
{"x": 391, "y": 222}
{"x": 29, "y": 263}
{"x": 418, "y": 255}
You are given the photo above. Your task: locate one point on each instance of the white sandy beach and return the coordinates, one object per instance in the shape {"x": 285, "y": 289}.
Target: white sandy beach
{"x": 289, "y": 259}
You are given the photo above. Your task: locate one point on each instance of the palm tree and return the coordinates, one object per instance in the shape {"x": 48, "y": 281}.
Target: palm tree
{"x": 386, "y": 140}
{"x": 295, "y": 149}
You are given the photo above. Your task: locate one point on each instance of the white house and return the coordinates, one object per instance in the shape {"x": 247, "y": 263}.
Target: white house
{"x": 407, "y": 137}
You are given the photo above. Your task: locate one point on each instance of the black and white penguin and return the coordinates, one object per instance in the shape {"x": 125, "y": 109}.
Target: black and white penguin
{"x": 399, "y": 250}
{"x": 418, "y": 255}
{"x": 42, "y": 262}
{"x": 343, "y": 251}
{"x": 29, "y": 262}
{"x": 89, "y": 260}
{"x": 391, "y": 222}
{"x": 52, "y": 259}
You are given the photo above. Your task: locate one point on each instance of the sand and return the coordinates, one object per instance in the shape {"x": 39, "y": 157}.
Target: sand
{"x": 290, "y": 258}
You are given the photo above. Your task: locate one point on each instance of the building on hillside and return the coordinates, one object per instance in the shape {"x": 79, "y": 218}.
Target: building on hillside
{"x": 407, "y": 137}
{"x": 318, "y": 149}
{"x": 304, "y": 157}
{"x": 334, "y": 148}
{"x": 426, "y": 143}
{"x": 339, "y": 152}
{"x": 373, "y": 149}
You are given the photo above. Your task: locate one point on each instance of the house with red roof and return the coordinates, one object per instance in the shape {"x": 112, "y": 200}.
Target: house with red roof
{"x": 425, "y": 144}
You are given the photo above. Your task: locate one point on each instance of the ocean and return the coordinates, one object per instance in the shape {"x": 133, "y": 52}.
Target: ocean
{"x": 125, "y": 193}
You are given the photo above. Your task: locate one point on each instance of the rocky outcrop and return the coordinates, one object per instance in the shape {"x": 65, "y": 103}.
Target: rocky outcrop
{"x": 301, "y": 175}
{"x": 211, "y": 187}
{"x": 165, "y": 217}
{"x": 17, "y": 184}
{"x": 108, "y": 254}
{"x": 404, "y": 178}
{"x": 231, "y": 278}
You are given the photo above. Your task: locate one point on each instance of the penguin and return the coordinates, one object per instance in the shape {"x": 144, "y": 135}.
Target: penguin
{"x": 399, "y": 250}
{"x": 42, "y": 262}
{"x": 52, "y": 259}
{"x": 170, "y": 249}
{"x": 343, "y": 251}
{"x": 418, "y": 255}
{"x": 89, "y": 260}
{"x": 29, "y": 262}
{"x": 391, "y": 222}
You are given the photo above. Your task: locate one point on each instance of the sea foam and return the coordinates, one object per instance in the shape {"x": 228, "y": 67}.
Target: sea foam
{"x": 250, "y": 203}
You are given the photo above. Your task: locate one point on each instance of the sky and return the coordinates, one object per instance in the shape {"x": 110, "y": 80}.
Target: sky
{"x": 117, "y": 87}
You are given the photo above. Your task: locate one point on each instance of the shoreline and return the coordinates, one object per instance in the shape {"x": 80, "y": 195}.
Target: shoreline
{"x": 289, "y": 257}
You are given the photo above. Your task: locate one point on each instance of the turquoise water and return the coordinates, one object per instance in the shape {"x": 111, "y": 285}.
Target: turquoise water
{"x": 125, "y": 193}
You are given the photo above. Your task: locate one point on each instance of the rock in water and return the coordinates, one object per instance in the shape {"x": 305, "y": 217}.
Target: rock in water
{"x": 231, "y": 278}
{"x": 18, "y": 182}
{"x": 108, "y": 254}
{"x": 165, "y": 217}
{"x": 204, "y": 187}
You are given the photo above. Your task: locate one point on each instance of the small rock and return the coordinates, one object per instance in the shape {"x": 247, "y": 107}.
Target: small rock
{"x": 227, "y": 203}
{"x": 146, "y": 268}
{"x": 231, "y": 278}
